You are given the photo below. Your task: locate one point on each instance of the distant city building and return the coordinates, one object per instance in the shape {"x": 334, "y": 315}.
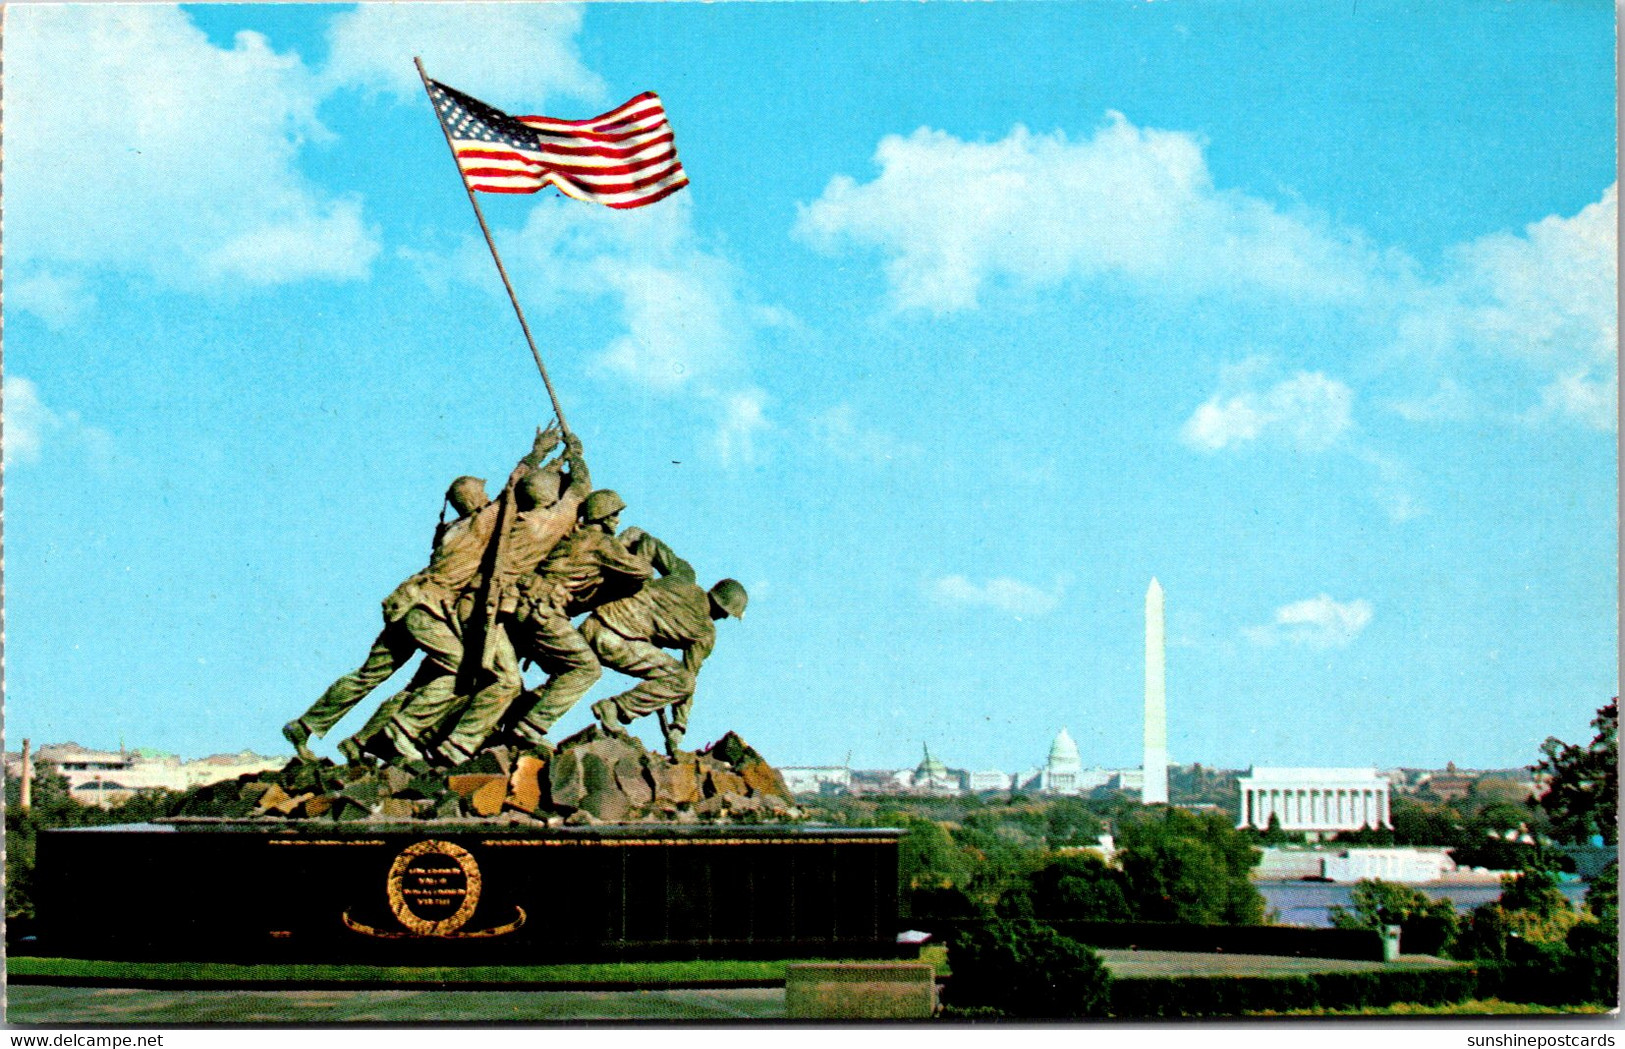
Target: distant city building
{"x": 1314, "y": 800}
{"x": 1064, "y": 768}
{"x": 1402, "y": 865}
{"x": 108, "y": 777}
{"x": 818, "y": 779}
{"x": 1453, "y": 784}
{"x": 1409, "y": 865}
{"x": 990, "y": 781}
{"x": 931, "y": 776}
{"x": 1450, "y": 785}
{"x": 1127, "y": 779}
{"x": 1063, "y": 772}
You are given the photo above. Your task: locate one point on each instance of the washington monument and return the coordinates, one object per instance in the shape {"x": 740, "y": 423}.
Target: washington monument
{"x": 1155, "y": 768}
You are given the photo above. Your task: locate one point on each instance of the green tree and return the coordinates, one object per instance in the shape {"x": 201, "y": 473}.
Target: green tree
{"x": 1602, "y": 896}
{"x": 1274, "y": 835}
{"x": 928, "y": 857}
{"x": 1070, "y": 887}
{"x": 1180, "y": 866}
{"x": 1426, "y": 925}
{"x": 1026, "y": 970}
{"x": 1426, "y": 823}
{"x": 1582, "y": 788}
{"x": 1071, "y": 822}
{"x": 1533, "y": 889}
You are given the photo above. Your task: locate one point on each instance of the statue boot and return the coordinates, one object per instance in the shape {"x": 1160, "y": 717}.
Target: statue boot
{"x": 296, "y": 733}
{"x": 609, "y": 716}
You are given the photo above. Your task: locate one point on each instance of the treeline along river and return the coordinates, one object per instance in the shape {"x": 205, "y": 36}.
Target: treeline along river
{"x": 1310, "y": 902}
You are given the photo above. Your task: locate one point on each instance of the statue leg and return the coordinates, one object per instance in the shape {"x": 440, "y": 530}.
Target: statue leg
{"x": 371, "y": 732}
{"x": 393, "y": 647}
{"x": 557, "y": 645}
{"x": 665, "y": 680}
{"x": 433, "y": 689}
{"x": 479, "y": 719}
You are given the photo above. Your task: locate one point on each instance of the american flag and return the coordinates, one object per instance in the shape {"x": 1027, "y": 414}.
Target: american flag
{"x": 625, "y": 158}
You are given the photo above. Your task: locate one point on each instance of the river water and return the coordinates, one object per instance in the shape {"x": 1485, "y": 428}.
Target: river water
{"x": 1310, "y": 902}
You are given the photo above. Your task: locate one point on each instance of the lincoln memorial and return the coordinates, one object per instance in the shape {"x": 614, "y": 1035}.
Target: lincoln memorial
{"x": 1314, "y": 799}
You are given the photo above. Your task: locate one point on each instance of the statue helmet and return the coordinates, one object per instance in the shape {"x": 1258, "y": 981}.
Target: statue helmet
{"x": 730, "y": 596}
{"x": 467, "y": 494}
{"x": 601, "y": 504}
{"x": 539, "y": 488}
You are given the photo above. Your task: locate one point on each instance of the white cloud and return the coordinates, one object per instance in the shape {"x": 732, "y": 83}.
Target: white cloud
{"x": 510, "y": 55}
{"x": 146, "y": 148}
{"x": 952, "y": 216}
{"x": 1448, "y": 401}
{"x": 57, "y": 299}
{"x": 688, "y": 323}
{"x": 743, "y": 418}
{"x": 1318, "y": 622}
{"x": 28, "y": 426}
{"x": 1544, "y": 301}
{"x": 1307, "y": 411}
{"x": 839, "y": 432}
{"x": 312, "y": 241}
{"x": 1007, "y": 595}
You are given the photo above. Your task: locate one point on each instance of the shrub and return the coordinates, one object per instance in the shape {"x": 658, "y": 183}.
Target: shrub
{"x": 1594, "y": 946}
{"x": 933, "y": 905}
{"x": 1077, "y": 887}
{"x": 1426, "y": 925}
{"x": 1025, "y": 970}
{"x": 1238, "y": 995}
{"x": 1554, "y": 975}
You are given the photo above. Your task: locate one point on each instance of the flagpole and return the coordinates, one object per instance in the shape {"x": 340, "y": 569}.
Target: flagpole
{"x": 492, "y": 244}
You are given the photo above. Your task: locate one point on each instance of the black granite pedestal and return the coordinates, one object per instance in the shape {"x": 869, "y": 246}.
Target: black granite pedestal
{"x": 465, "y": 893}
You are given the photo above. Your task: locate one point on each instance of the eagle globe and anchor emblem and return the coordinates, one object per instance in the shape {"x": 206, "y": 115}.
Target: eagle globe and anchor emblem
{"x": 433, "y": 889}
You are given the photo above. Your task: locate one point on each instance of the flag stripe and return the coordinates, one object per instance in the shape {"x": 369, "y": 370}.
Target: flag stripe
{"x": 602, "y": 118}
{"x": 574, "y": 154}
{"x": 624, "y": 158}
{"x": 471, "y": 158}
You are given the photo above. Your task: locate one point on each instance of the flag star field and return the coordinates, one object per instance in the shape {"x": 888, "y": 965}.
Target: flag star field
{"x": 951, "y": 328}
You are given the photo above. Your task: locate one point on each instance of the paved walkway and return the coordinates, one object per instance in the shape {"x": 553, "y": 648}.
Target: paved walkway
{"x": 76, "y": 1006}
{"x": 1129, "y": 964}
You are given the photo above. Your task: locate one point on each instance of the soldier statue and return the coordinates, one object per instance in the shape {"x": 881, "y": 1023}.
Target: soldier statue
{"x": 587, "y": 568}
{"x": 630, "y": 635}
{"x": 421, "y": 614}
{"x": 505, "y": 582}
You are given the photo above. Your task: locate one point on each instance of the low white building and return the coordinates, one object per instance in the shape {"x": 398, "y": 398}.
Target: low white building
{"x": 1313, "y": 799}
{"x": 989, "y": 781}
{"x": 818, "y": 779}
{"x": 108, "y": 777}
{"x": 1401, "y": 865}
{"x": 1408, "y": 865}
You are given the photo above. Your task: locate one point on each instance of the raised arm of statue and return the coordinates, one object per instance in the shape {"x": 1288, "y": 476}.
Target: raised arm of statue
{"x": 662, "y": 558}
{"x": 542, "y": 447}
{"x": 580, "y": 479}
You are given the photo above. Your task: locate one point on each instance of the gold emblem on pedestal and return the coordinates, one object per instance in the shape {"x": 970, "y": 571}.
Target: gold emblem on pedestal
{"x": 433, "y": 889}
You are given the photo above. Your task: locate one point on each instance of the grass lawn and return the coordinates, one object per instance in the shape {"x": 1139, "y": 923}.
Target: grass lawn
{"x": 1479, "y": 1007}
{"x": 643, "y": 975}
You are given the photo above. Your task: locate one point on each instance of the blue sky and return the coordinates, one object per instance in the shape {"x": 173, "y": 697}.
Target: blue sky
{"x": 974, "y": 318}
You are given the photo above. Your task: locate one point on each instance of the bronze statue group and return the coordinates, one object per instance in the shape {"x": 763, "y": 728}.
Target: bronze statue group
{"x": 538, "y": 575}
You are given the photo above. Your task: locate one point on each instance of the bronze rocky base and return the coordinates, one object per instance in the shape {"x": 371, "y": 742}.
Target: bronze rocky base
{"x": 594, "y": 777}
